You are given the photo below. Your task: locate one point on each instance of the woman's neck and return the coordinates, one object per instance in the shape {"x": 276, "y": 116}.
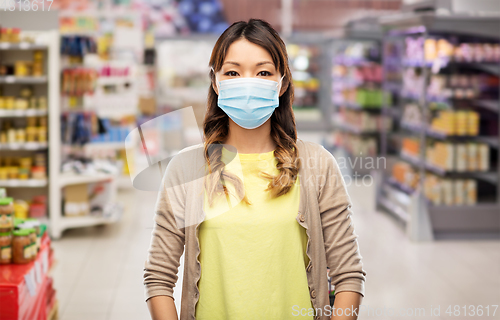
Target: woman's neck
{"x": 256, "y": 140}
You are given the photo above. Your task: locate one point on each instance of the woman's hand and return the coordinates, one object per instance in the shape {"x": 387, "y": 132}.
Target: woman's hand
{"x": 348, "y": 302}
{"x": 162, "y": 308}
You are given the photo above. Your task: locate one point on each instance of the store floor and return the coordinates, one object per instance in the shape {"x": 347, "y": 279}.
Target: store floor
{"x": 99, "y": 271}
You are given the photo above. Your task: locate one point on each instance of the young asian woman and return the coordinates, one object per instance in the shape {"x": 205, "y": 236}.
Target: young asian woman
{"x": 273, "y": 213}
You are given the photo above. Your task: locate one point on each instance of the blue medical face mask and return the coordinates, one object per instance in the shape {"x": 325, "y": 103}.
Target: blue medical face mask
{"x": 249, "y": 102}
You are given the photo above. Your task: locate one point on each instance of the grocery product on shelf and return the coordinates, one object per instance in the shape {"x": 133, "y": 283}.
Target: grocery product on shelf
{"x": 20, "y": 236}
{"x": 443, "y": 87}
{"x": 438, "y": 190}
{"x": 356, "y": 145}
{"x": 74, "y": 48}
{"x": 446, "y": 91}
{"x": 21, "y": 246}
{"x": 358, "y": 97}
{"x": 305, "y": 68}
{"x": 78, "y": 81}
{"x": 21, "y": 168}
{"x": 30, "y": 129}
{"x": 10, "y": 35}
{"x": 362, "y": 121}
{"x": 448, "y": 156}
{"x": 5, "y": 247}
{"x": 6, "y": 214}
{"x": 420, "y": 50}
{"x": 357, "y": 75}
{"x": 23, "y": 68}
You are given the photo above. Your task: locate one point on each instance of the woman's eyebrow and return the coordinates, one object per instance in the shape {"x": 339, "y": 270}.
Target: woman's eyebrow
{"x": 231, "y": 62}
{"x": 264, "y": 62}
{"x": 258, "y": 64}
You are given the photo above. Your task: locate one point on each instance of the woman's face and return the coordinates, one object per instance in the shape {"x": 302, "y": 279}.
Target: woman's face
{"x": 248, "y": 60}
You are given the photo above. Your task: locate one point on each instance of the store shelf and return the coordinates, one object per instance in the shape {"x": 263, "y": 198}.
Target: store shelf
{"x": 29, "y": 183}
{"x": 477, "y": 218}
{"x": 22, "y": 113}
{"x": 357, "y": 107}
{"x": 67, "y": 179}
{"x": 119, "y": 145}
{"x": 114, "y": 80}
{"x": 394, "y": 209}
{"x": 22, "y": 46}
{"x": 490, "y": 176}
{"x": 304, "y": 125}
{"x": 352, "y": 129}
{"x": 492, "y": 141}
{"x": 352, "y": 62}
{"x": 22, "y": 80}
{"x": 491, "y": 105}
{"x": 24, "y": 146}
{"x": 406, "y": 189}
{"x": 392, "y": 86}
{"x": 89, "y": 220}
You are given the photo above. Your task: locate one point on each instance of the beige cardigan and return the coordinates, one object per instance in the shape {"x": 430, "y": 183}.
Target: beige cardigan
{"x": 324, "y": 211}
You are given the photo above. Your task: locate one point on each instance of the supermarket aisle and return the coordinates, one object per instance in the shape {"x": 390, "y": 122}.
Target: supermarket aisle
{"x": 99, "y": 271}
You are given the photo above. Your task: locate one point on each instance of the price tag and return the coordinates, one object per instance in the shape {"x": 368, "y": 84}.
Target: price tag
{"x": 10, "y": 79}
{"x": 45, "y": 261}
{"x": 24, "y": 45}
{"x": 4, "y": 45}
{"x": 30, "y": 283}
{"x": 38, "y": 272}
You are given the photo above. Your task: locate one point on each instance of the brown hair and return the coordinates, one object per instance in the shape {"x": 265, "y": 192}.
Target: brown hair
{"x": 283, "y": 129}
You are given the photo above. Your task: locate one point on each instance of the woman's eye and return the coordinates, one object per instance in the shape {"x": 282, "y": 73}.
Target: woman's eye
{"x": 265, "y": 73}
{"x": 231, "y": 73}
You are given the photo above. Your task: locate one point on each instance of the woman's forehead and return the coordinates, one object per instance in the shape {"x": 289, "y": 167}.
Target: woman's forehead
{"x": 243, "y": 52}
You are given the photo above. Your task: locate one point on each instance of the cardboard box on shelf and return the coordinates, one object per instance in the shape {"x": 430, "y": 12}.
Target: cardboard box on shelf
{"x": 147, "y": 105}
{"x": 76, "y": 200}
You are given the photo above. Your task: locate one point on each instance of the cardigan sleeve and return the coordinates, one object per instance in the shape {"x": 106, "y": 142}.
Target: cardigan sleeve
{"x": 342, "y": 251}
{"x": 167, "y": 237}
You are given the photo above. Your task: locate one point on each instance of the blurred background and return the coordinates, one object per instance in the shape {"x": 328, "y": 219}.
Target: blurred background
{"x": 405, "y": 95}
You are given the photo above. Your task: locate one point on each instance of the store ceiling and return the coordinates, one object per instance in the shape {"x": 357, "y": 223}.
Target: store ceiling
{"x": 309, "y": 15}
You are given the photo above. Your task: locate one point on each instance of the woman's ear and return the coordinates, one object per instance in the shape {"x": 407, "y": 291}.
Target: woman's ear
{"x": 284, "y": 86}
{"x": 214, "y": 86}
{"x": 214, "y": 82}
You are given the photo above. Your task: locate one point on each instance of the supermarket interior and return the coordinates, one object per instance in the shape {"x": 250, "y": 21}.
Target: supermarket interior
{"x": 93, "y": 93}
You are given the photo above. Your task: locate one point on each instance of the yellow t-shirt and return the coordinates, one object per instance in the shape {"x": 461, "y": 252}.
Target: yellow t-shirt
{"x": 253, "y": 258}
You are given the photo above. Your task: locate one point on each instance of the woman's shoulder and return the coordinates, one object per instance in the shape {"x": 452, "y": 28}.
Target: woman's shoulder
{"x": 316, "y": 157}
{"x": 313, "y": 149}
{"x": 185, "y": 160}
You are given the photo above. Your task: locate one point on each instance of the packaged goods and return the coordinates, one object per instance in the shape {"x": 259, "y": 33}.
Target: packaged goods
{"x": 38, "y": 173}
{"x": 483, "y": 152}
{"x": 461, "y": 157}
{"x": 6, "y": 214}
{"x": 33, "y": 246}
{"x": 38, "y": 207}
{"x": 472, "y": 157}
{"x": 461, "y": 123}
{"x": 5, "y": 247}
{"x": 473, "y": 123}
{"x": 21, "y": 208}
{"x": 22, "y": 68}
{"x": 447, "y": 190}
{"x": 36, "y": 226}
{"x": 42, "y": 103}
{"x": 471, "y": 192}
{"x": 21, "y": 246}
{"x": 459, "y": 189}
